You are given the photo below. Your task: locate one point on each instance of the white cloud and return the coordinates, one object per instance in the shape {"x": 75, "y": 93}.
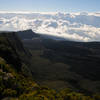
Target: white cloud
{"x": 75, "y": 26}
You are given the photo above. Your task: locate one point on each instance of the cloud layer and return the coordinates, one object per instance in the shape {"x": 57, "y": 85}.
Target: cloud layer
{"x": 73, "y": 26}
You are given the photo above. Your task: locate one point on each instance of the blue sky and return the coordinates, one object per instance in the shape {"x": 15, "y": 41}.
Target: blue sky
{"x": 51, "y": 5}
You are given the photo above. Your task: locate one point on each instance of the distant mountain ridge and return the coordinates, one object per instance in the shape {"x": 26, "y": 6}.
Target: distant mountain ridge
{"x": 29, "y": 35}
{"x": 73, "y": 26}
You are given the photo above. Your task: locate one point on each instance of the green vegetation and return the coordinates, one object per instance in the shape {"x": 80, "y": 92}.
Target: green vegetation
{"x": 12, "y": 83}
{"x": 16, "y": 86}
{"x": 17, "y": 81}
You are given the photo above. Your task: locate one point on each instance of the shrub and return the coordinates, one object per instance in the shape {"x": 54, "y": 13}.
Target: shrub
{"x": 9, "y": 92}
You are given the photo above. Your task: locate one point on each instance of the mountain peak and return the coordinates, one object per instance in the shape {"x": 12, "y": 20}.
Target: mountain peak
{"x": 27, "y": 34}
{"x": 29, "y": 30}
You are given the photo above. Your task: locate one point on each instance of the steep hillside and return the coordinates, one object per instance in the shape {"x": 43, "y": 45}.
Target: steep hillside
{"x": 22, "y": 69}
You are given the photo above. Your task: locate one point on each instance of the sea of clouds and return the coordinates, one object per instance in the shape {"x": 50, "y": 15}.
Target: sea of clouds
{"x": 74, "y": 26}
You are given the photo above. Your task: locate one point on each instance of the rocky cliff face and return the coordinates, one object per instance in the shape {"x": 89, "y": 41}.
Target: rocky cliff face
{"x": 12, "y": 49}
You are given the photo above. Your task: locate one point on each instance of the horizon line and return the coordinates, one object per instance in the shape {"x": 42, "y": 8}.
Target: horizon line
{"x": 26, "y": 11}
